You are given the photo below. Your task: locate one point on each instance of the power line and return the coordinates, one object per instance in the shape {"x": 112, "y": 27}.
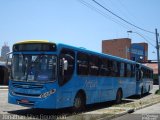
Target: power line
{"x": 148, "y": 39}
{"x": 119, "y": 7}
{"x": 126, "y": 9}
{"x": 103, "y": 14}
{"x": 142, "y": 37}
{"x": 122, "y": 18}
{"x": 108, "y": 17}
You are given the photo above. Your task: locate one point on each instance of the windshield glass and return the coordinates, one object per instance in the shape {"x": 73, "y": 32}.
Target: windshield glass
{"x": 34, "y": 68}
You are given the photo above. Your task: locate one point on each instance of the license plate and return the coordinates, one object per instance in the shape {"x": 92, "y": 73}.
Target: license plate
{"x": 24, "y": 101}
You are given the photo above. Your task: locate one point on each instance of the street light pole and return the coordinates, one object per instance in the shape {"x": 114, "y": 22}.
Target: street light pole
{"x": 158, "y": 60}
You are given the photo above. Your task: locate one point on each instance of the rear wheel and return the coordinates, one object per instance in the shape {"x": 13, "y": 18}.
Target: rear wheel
{"x": 148, "y": 90}
{"x": 141, "y": 94}
{"x": 119, "y": 96}
{"x": 79, "y": 102}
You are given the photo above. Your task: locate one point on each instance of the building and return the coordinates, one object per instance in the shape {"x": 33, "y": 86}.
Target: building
{"x": 139, "y": 52}
{"x": 5, "y": 49}
{"x": 124, "y": 48}
{"x": 117, "y": 47}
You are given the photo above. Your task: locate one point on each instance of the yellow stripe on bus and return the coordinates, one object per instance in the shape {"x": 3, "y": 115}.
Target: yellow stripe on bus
{"x": 33, "y": 41}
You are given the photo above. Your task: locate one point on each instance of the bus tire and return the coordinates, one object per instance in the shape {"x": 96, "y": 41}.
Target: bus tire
{"x": 141, "y": 94}
{"x": 148, "y": 89}
{"x": 79, "y": 102}
{"x": 119, "y": 96}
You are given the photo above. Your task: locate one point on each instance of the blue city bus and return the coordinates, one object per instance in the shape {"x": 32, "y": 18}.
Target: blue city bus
{"x": 52, "y": 76}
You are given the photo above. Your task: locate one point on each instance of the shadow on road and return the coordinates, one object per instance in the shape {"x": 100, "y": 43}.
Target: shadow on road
{"x": 40, "y": 113}
{"x": 139, "y": 97}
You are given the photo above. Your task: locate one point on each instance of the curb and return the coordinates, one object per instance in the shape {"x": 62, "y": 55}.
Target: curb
{"x": 118, "y": 115}
{"x": 128, "y": 111}
{"x": 144, "y": 106}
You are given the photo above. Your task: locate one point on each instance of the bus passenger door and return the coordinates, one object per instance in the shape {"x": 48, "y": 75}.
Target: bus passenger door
{"x": 66, "y": 70}
{"x": 66, "y": 66}
{"x": 139, "y": 76}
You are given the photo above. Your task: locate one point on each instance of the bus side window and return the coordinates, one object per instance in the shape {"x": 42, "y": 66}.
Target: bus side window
{"x": 151, "y": 74}
{"x": 93, "y": 65}
{"x": 142, "y": 69}
{"x": 125, "y": 69}
{"x": 132, "y": 70}
{"x": 103, "y": 67}
{"x": 110, "y": 67}
{"x": 137, "y": 75}
{"x": 82, "y": 64}
{"x": 148, "y": 73}
{"x": 144, "y": 72}
{"x": 66, "y": 65}
{"x": 116, "y": 67}
{"x": 122, "y": 70}
{"x": 128, "y": 70}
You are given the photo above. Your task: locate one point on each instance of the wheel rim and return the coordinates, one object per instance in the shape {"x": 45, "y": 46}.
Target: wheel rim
{"x": 119, "y": 96}
{"x": 78, "y": 102}
{"x": 142, "y": 92}
{"x": 148, "y": 89}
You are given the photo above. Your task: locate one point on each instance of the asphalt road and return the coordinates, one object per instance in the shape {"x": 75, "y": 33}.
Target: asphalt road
{"x": 19, "y": 112}
{"x": 148, "y": 113}
{"x": 4, "y": 106}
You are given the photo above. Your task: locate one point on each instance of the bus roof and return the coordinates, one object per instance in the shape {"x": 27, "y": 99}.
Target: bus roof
{"x": 144, "y": 66}
{"x": 33, "y": 41}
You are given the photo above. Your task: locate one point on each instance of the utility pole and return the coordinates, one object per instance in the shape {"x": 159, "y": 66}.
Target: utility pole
{"x": 158, "y": 61}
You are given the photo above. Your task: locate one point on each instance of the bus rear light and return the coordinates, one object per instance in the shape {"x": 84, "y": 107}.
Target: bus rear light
{"x": 46, "y": 94}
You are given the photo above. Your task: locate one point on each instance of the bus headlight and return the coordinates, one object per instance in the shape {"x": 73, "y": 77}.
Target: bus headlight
{"x": 46, "y": 94}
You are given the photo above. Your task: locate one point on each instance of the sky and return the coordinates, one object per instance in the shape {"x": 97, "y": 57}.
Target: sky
{"x": 80, "y": 23}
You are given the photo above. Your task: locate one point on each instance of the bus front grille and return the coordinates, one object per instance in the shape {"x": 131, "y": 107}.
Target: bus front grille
{"x": 26, "y": 95}
{"x": 27, "y": 86}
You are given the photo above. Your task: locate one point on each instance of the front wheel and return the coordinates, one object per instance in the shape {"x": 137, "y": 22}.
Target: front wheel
{"x": 119, "y": 96}
{"x": 79, "y": 102}
{"x": 141, "y": 94}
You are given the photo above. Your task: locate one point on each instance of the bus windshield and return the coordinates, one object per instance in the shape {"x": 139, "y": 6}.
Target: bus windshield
{"x": 34, "y": 68}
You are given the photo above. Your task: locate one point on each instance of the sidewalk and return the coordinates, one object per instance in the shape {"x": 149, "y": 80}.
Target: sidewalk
{"x": 117, "y": 110}
{"x": 3, "y": 87}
